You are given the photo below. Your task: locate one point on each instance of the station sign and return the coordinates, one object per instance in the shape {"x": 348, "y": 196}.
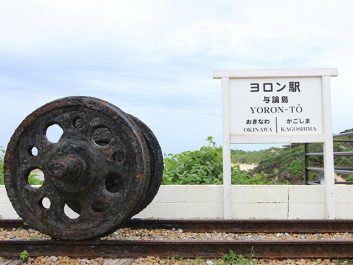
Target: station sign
{"x": 276, "y": 106}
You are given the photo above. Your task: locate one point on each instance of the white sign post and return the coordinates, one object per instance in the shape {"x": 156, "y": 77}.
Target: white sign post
{"x": 277, "y": 106}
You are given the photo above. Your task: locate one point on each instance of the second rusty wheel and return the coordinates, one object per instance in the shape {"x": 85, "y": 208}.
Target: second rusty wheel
{"x": 100, "y": 164}
{"x": 156, "y": 168}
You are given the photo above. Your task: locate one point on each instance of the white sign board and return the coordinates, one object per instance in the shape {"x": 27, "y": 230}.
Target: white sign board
{"x": 268, "y": 107}
{"x": 277, "y": 106}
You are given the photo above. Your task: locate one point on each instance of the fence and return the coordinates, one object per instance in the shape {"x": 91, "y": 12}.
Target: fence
{"x": 320, "y": 170}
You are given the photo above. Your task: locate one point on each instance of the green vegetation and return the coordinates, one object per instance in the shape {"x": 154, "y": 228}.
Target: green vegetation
{"x": 349, "y": 178}
{"x": 253, "y": 157}
{"x": 232, "y": 258}
{"x": 274, "y": 165}
{"x": 32, "y": 180}
{"x": 24, "y": 255}
{"x": 343, "y": 161}
{"x": 285, "y": 166}
{"x": 203, "y": 166}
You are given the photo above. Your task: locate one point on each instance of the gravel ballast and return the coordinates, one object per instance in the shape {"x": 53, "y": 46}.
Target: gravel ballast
{"x": 163, "y": 234}
{"x": 175, "y": 234}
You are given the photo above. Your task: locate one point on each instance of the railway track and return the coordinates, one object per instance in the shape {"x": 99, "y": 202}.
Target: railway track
{"x": 196, "y": 248}
{"x": 228, "y": 226}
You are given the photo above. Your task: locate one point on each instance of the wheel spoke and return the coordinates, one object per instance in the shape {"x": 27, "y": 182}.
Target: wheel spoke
{"x": 56, "y": 210}
{"x": 33, "y": 196}
{"x": 98, "y": 203}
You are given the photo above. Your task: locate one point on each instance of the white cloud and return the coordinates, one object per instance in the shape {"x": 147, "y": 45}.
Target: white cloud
{"x": 159, "y": 55}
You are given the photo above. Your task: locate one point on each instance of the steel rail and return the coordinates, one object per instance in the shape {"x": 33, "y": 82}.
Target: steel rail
{"x": 247, "y": 226}
{"x": 189, "y": 249}
{"x": 230, "y": 226}
{"x": 13, "y": 223}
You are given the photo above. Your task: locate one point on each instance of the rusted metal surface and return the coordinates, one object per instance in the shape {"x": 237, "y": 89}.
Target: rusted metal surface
{"x": 191, "y": 249}
{"x": 156, "y": 168}
{"x": 230, "y": 226}
{"x": 100, "y": 167}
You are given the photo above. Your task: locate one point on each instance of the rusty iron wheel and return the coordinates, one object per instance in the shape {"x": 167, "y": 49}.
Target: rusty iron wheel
{"x": 156, "y": 168}
{"x": 100, "y": 164}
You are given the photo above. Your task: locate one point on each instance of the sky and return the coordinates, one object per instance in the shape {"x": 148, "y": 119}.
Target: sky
{"x": 155, "y": 58}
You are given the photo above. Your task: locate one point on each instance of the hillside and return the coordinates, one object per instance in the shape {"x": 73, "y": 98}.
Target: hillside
{"x": 253, "y": 157}
{"x": 286, "y": 165}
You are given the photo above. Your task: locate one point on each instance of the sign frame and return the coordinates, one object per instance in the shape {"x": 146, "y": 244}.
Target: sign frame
{"x": 326, "y": 137}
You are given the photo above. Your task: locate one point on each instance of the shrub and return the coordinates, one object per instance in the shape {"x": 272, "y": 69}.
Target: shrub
{"x": 350, "y": 178}
{"x": 247, "y": 178}
{"x": 32, "y": 180}
{"x": 203, "y": 166}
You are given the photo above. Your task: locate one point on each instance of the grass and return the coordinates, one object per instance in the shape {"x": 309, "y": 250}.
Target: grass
{"x": 24, "y": 255}
{"x": 232, "y": 258}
